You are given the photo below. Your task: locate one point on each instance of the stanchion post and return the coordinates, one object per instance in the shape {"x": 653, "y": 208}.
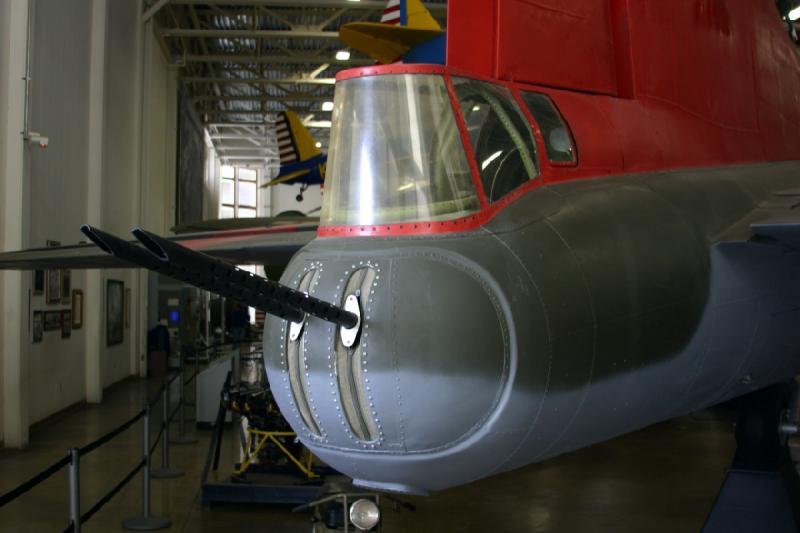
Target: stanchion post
{"x": 75, "y": 489}
{"x": 165, "y": 471}
{"x": 146, "y": 522}
{"x": 182, "y": 437}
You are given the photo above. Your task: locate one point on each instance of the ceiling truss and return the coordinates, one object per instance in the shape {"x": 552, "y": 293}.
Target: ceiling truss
{"x": 241, "y": 62}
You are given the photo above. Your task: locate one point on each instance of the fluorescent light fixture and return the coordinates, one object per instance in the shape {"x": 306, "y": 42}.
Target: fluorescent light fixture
{"x": 407, "y": 186}
{"x": 327, "y": 106}
{"x": 353, "y": 0}
{"x": 794, "y": 14}
{"x": 488, "y": 160}
{"x": 319, "y": 144}
{"x": 343, "y": 55}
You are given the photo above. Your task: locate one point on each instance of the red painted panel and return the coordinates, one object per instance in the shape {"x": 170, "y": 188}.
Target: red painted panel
{"x": 644, "y": 85}
{"x": 471, "y": 38}
{"x": 695, "y": 57}
{"x": 558, "y": 44}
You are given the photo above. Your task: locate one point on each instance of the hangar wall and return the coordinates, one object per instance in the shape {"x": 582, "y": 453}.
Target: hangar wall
{"x": 12, "y": 68}
{"x": 104, "y": 95}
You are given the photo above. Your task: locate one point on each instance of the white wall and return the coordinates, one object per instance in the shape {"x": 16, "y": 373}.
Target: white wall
{"x": 59, "y": 104}
{"x": 12, "y": 367}
{"x": 160, "y": 124}
{"x": 121, "y": 169}
{"x": 104, "y": 95}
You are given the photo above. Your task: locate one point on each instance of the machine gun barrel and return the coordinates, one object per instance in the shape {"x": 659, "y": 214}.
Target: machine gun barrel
{"x": 206, "y": 272}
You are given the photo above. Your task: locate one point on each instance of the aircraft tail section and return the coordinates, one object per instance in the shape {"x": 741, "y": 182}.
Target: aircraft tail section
{"x": 301, "y": 159}
{"x": 407, "y": 31}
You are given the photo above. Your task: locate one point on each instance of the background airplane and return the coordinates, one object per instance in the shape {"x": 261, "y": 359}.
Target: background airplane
{"x": 301, "y": 160}
{"x": 542, "y": 250}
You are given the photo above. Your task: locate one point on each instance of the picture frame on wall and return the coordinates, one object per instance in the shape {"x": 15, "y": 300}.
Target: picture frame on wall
{"x": 53, "y": 286}
{"x": 66, "y": 324}
{"x": 38, "y": 326}
{"x": 52, "y": 320}
{"x": 115, "y": 295}
{"x": 38, "y": 282}
{"x": 77, "y": 309}
{"x": 66, "y": 286}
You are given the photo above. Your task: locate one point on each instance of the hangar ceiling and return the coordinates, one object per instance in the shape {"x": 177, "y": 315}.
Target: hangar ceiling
{"x": 242, "y": 62}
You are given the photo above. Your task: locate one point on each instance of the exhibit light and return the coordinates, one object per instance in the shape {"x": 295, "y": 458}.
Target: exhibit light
{"x": 318, "y": 144}
{"x": 365, "y": 514}
{"x": 343, "y": 55}
{"x": 794, "y": 14}
{"x": 327, "y": 106}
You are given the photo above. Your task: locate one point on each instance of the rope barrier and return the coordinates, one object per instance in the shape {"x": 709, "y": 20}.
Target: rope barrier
{"x": 64, "y": 461}
{"x": 110, "y": 435}
{"x": 92, "y": 446}
{"x": 113, "y": 492}
{"x": 192, "y": 378}
{"x": 158, "y": 439}
{"x": 35, "y": 480}
{"x": 152, "y": 403}
{"x": 105, "y": 499}
{"x": 73, "y": 461}
{"x": 174, "y": 412}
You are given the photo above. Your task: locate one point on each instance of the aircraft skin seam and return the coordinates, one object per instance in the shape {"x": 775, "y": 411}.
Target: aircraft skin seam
{"x": 396, "y": 359}
{"x": 535, "y": 285}
{"x": 586, "y": 387}
{"x": 748, "y": 355}
{"x": 436, "y": 255}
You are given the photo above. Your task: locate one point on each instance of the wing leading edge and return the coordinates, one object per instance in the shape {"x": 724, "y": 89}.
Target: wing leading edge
{"x": 262, "y": 246}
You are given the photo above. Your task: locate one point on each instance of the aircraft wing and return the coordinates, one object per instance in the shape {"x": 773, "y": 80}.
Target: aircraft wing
{"x": 223, "y": 224}
{"x": 781, "y": 219}
{"x": 782, "y": 228}
{"x": 262, "y": 246}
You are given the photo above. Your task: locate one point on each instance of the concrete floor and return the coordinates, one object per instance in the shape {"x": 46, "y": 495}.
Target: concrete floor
{"x": 663, "y": 478}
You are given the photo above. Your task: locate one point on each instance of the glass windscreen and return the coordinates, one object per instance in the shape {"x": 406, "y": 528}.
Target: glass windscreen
{"x": 501, "y": 139}
{"x": 395, "y": 154}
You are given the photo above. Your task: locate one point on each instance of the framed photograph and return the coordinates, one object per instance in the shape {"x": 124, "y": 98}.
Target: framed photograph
{"x": 38, "y": 282}
{"x": 52, "y": 320}
{"x": 53, "y": 286}
{"x": 115, "y": 295}
{"x": 66, "y": 286}
{"x": 127, "y": 308}
{"x": 66, "y": 324}
{"x": 38, "y": 326}
{"x": 77, "y": 309}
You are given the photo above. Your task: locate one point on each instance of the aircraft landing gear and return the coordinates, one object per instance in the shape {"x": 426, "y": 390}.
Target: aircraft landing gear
{"x": 303, "y": 188}
{"x": 761, "y": 491}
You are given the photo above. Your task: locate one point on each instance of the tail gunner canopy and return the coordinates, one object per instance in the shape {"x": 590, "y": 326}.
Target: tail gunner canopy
{"x": 422, "y": 147}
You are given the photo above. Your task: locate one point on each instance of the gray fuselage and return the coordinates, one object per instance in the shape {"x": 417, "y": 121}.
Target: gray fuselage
{"x": 583, "y": 310}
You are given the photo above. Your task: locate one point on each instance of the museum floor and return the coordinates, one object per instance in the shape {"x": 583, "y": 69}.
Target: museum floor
{"x": 663, "y": 478}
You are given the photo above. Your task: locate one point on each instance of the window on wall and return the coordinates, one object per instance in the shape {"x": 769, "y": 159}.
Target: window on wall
{"x": 501, "y": 139}
{"x": 238, "y": 192}
{"x": 557, "y": 139}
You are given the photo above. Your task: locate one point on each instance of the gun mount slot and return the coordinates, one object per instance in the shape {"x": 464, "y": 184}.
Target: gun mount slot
{"x": 296, "y": 363}
{"x": 350, "y": 365}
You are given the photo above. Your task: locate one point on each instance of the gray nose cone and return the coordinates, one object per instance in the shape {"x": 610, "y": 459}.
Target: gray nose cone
{"x": 408, "y": 407}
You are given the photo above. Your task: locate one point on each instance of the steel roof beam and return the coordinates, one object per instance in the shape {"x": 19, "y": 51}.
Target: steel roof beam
{"x": 364, "y": 5}
{"x": 294, "y": 60}
{"x": 249, "y": 34}
{"x": 273, "y": 81}
{"x": 265, "y": 98}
